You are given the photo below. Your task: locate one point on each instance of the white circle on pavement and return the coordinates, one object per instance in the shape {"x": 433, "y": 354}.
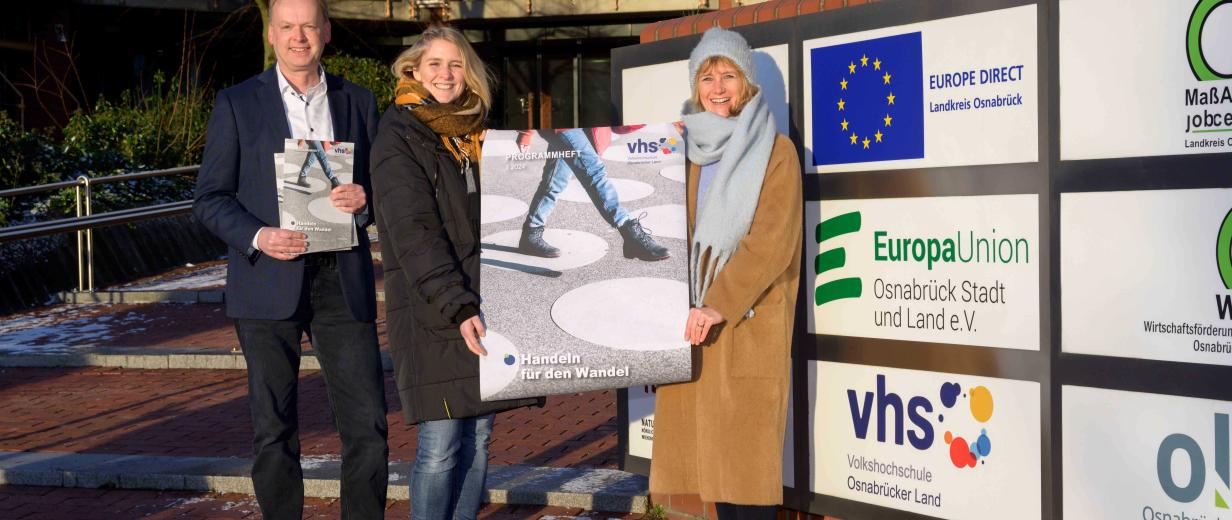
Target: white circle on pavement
{"x": 644, "y": 314}
{"x": 626, "y": 189}
{"x": 577, "y": 249}
{"x": 322, "y": 208}
{"x": 617, "y": 150}
{"x": 668, "y": 221}
{"x": 496, "y": 208}
{"x": 499, "y": 368}
{"x": 674, "y": 172}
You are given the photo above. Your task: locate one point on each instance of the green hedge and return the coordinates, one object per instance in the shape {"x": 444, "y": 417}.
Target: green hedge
{"x": 366, "y": 72}
{"x": 162, "y": 128}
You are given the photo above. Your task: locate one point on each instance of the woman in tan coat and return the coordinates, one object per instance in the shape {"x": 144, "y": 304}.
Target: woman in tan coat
{"x": 721, "y": 436}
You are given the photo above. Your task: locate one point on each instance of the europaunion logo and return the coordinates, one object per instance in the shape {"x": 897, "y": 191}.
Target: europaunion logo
{"x": 836, "y": 258}
{"x": 1195, "y": 482}
{"x": 918, "y": 409}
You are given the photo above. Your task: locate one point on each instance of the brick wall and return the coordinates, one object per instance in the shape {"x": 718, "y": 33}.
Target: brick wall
{"x": 743, "y": 15}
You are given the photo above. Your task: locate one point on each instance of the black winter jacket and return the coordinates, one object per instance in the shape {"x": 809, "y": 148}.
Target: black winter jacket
{"x": 429, "y": 233}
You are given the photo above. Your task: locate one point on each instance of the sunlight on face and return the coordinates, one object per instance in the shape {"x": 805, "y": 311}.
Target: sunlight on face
{"x": 441, "y": 70}
{"x": 298, "y": 32}
{"x": 719, "y": 88}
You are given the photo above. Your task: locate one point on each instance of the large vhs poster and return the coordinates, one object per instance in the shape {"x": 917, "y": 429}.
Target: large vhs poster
{"x": 584, "y": 280}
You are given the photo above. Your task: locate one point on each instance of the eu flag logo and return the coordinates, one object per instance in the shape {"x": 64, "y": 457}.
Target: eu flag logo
{"x": 868, "y": 101}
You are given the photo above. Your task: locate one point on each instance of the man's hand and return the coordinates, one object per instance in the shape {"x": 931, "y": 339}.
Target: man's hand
{"x": 281, "y": 244}
{"x": 473, "y": 329}
{"x": 349, "y": 198}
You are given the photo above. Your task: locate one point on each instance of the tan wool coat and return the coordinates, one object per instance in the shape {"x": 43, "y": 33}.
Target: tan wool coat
{"x": 721, "y": 435}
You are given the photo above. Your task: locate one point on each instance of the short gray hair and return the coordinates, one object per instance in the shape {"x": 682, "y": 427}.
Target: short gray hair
{"x": 322, "y": 5}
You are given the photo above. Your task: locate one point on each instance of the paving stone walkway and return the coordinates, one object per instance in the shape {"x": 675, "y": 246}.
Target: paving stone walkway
{"x": 49, "y": 503}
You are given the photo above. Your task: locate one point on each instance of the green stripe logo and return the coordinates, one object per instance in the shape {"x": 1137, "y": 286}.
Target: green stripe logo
{"x": 836, "y": 258}
{"x": 1198, "y": 61}
{"x": 1223, "y": 251}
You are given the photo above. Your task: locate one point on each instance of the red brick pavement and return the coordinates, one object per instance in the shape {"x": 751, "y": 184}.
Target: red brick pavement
{"x": 44, "y": 503}
{"x": 205, "y": 413}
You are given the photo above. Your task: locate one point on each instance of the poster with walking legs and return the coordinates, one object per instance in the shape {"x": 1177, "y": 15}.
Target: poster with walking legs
{"x": 307, "y": 171}
{"x": 583, "y": 262}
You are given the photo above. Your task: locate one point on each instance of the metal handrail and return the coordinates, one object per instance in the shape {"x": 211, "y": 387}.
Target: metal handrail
{"x": 85, "y": 221}
{"x": 110, "y": 218}
{"x": 28, "y": 190}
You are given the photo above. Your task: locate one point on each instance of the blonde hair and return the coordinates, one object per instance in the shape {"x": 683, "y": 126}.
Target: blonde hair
{"x": 477, "y": 77}
{"x": 747, "y": 91}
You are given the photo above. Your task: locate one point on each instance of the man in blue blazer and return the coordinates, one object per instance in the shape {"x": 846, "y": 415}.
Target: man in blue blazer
{"x": 275, "y": 292}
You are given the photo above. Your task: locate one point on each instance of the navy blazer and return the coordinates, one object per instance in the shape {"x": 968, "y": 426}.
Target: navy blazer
{"x": 237, "y": 194}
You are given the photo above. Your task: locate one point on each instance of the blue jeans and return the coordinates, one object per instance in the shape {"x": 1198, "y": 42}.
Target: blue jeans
{"x": 451, "y": 463}
{"x": 318, "y": 153}
{"x": 588, "y": 168}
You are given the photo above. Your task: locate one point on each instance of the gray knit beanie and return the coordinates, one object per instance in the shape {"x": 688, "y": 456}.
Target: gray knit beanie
{"x": 718, "y": 41}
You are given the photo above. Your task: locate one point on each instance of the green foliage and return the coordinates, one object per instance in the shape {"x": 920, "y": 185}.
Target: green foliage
{"x": 30, "y": 158}
{"x": 654, "y": 512}
{"x": 365, "y": 72}
{"x": 159, "y": 129}
{"x": 143, "y": 131}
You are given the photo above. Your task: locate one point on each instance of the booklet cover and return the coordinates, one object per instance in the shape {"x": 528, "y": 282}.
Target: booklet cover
{"x": 607, "y": 308}
{"x": 307, "y": 172}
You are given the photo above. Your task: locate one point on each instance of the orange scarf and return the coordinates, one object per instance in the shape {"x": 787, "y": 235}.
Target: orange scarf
{"x": 459, "y": 124}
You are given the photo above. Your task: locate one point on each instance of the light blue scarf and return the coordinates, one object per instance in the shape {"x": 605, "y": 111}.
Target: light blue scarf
{"x": 741, "y": 145}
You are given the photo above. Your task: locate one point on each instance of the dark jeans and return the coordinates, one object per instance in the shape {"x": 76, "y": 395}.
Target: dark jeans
{"x": 728, "y": 511}
{"x": 351, "y": 365}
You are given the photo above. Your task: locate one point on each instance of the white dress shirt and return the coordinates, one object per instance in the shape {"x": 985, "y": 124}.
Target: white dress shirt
{"x": 307, "y": 113}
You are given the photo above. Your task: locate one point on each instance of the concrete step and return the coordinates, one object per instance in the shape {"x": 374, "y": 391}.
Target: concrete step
{"x": 148, "y": 358}
{"x": 113, "y": 297}
{"x": 589, "y": 488}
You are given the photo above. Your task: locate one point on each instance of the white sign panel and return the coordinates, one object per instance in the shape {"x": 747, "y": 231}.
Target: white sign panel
{"x": 943, "y": 445}
{"x": 950, "y": 92}
{"x": 641, "y": 420}
{"x": 961, "y": 270}
{"x": 1145, "y": 77}
{"x": 1148, "y": 274}
{"x": 1129, "y": 455}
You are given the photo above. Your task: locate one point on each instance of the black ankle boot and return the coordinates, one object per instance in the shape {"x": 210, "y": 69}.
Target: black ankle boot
{"x": 532, "y": 243}
{"x": 639, "y": 244}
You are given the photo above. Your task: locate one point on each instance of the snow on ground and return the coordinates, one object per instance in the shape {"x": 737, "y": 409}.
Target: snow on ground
{"x": 63, "y": 329}
{"x": 208, "y": 278}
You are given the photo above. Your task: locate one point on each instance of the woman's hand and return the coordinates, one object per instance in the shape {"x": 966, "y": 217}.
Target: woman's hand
{"x": 697, "y": 327}
{"x": 473, "y": 329}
